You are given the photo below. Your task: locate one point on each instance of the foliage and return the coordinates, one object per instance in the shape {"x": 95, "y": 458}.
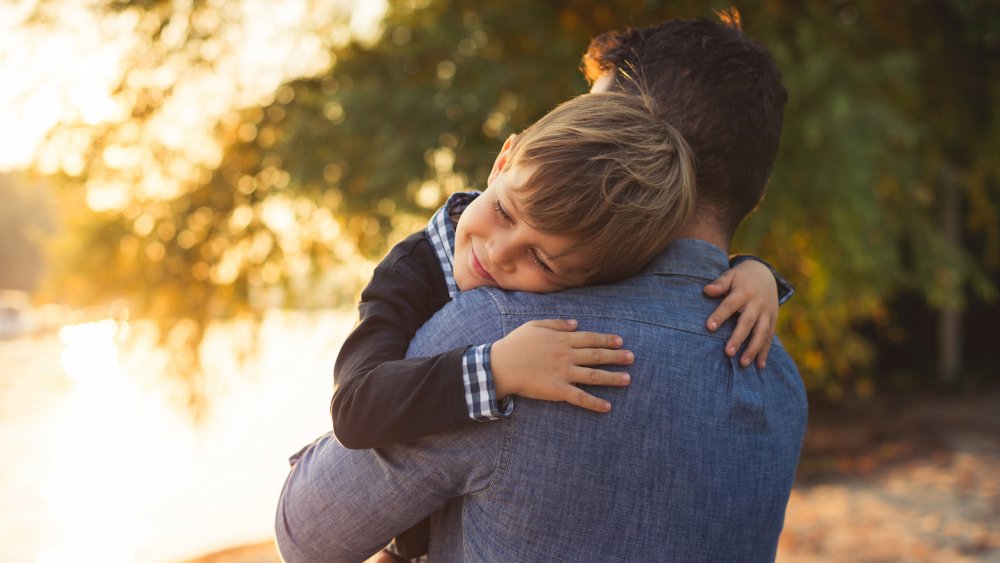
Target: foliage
{"x": 890, "y": 105}
{"x": 872, "y": 139}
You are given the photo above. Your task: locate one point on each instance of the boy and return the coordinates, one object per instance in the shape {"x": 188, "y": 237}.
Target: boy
{"x": 588, "y": 194}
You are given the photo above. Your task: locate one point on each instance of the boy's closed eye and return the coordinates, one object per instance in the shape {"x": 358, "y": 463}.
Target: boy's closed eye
{"x": 506, "y": 218}
{"x": 541, "y": 263}
{"x": 498, "y": 207}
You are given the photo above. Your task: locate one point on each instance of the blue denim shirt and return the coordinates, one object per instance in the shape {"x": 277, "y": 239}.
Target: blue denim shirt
{"x": 695, "y": 462}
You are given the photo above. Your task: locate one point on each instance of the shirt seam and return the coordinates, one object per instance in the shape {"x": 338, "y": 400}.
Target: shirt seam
{"x": 502, "y": 461}
{"x": 621, "y": 318}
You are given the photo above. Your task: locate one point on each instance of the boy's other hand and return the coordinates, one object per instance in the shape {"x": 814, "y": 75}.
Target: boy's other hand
{"x": 751, "y": 291}
{"x": 546, "y": 360}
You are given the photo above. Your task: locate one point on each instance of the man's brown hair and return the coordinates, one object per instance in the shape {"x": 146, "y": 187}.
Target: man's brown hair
{"x": 719, "y": 88}
{"x": 611, "y": 173}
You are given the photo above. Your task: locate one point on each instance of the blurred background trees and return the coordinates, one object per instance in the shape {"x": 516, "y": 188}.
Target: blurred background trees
{"x": 883, "y": 207}
{"x": 24, "y": 223}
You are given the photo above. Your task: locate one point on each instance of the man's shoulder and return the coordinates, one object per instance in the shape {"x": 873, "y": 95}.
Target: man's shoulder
{"x": 644, "y": 299}
{"x": 470, "y": 318}
{"x": 491, "y": 306}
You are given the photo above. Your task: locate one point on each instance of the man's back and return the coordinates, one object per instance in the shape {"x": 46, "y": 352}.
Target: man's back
{"x": 695, "y": 461}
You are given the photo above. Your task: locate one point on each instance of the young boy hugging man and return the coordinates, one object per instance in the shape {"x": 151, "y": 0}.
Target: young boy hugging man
{"x": 588, "y": 194}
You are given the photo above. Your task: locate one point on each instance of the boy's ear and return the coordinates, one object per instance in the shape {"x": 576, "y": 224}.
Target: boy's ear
{"x": 501, "y": 162}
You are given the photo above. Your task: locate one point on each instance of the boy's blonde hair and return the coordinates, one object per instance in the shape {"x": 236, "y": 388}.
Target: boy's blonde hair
{"x": 610, "y": 173}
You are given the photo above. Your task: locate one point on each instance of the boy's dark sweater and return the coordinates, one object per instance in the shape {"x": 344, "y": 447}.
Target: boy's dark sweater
{"x": 417, "y": 397}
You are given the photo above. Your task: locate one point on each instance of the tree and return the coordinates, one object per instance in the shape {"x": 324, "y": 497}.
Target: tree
{"x": 874, "y": 150}
{"x": 355, "y": 154}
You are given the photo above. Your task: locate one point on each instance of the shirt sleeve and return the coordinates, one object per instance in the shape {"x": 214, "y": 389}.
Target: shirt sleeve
{"x": 380, "y": 397}
{"x": 340, "y": 504}
{"x": 480, "y": 393}
{"x": 785, "y": 288}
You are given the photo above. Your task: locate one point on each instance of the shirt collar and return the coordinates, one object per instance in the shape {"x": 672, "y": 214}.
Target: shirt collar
{"x": 690, "y": 257}
{"x": 441, "y": 233}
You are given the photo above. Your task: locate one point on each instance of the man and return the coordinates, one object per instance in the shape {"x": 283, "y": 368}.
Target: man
{"x": 697, "y": 458}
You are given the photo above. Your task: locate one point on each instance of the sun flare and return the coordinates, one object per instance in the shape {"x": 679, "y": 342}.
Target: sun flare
{"x": 114, "y": 436}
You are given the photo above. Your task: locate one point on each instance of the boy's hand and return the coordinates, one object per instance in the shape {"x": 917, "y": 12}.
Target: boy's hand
{"x": 546, "y": 359}
{"x": 753, "y": 292}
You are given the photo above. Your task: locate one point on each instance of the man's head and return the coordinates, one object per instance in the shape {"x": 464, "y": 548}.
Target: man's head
{"x": 590, "y": 193}
{"x": 721, "y": 90}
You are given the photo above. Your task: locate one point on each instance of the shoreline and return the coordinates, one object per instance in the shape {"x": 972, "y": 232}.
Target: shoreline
{"x": 263, "y": 552}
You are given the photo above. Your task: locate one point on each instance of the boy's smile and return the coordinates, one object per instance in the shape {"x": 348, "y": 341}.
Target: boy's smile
{"x": 478, "y": 267}
{"x": 496, "y": 247}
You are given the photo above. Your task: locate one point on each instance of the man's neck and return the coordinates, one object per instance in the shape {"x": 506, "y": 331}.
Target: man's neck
{"x": 698, "y": 229}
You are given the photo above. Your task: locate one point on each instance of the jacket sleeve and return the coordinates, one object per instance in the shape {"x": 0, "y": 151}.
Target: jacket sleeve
{"x": 381, "y": 398}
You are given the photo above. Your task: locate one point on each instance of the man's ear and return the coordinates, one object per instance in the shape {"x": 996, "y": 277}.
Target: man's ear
{"x": 501, "y": 162}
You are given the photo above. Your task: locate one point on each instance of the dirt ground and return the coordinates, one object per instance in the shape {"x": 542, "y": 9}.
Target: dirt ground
{"x": 915, "y": 479}
{"x": 904, "y": 480}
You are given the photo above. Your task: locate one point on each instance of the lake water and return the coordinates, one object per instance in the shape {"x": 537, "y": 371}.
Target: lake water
{"x": 104, "y": 464}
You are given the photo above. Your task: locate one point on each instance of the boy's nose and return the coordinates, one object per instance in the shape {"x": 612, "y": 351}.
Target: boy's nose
{"x": 500, "y": 254}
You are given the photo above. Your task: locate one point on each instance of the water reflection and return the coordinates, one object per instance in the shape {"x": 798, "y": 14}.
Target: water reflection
{"x": 123, "y": 474}
{"x": 114, "y": 436}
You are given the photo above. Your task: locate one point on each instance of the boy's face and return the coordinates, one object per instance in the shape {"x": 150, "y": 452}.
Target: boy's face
{"x": 495, "y": 246}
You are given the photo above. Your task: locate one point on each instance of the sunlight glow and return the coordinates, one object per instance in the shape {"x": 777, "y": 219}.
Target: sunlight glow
{"x": 65, "y": 68}
{"x": 62, "y": 72}
{"x": 366, "y": 19}
{"x": 93, "y": 104}
{"x": 131, "y": 477}
{"x": 115, "y": 436}
{"x": 92, "y": 519}
{"x": 91, "y": 353}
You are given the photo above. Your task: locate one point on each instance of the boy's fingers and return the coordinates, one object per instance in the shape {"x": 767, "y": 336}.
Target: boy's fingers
{"x": 760, "y": 336}
{"x": 721, "y": 314}
{"x": 594, "y": 376}
{"x": 740, "y": 333}
{"x": 584, "y": 400}
{"x": 601, "y": 356}
{"x": 555, "y": 324}
{"x": 760, "y": 343}
{"x": 719, "y": 285}
{"x": 762, "y": 357}
{"x": 595, "y": 340}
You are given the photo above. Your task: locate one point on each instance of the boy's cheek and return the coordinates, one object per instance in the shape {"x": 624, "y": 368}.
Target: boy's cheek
{"x": 462, "y": 279}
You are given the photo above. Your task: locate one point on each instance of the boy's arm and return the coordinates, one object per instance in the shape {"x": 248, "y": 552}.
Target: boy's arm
{"x": 754, "y": 289}
{"x": 785, "y": 287}
{"x": 382, "y": 398}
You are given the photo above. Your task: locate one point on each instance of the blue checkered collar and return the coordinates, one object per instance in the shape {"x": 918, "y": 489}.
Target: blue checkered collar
{"x": 441, "y": 233}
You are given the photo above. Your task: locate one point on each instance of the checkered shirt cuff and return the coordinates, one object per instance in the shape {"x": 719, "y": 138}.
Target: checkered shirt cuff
{"x": 480, "y": 395}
